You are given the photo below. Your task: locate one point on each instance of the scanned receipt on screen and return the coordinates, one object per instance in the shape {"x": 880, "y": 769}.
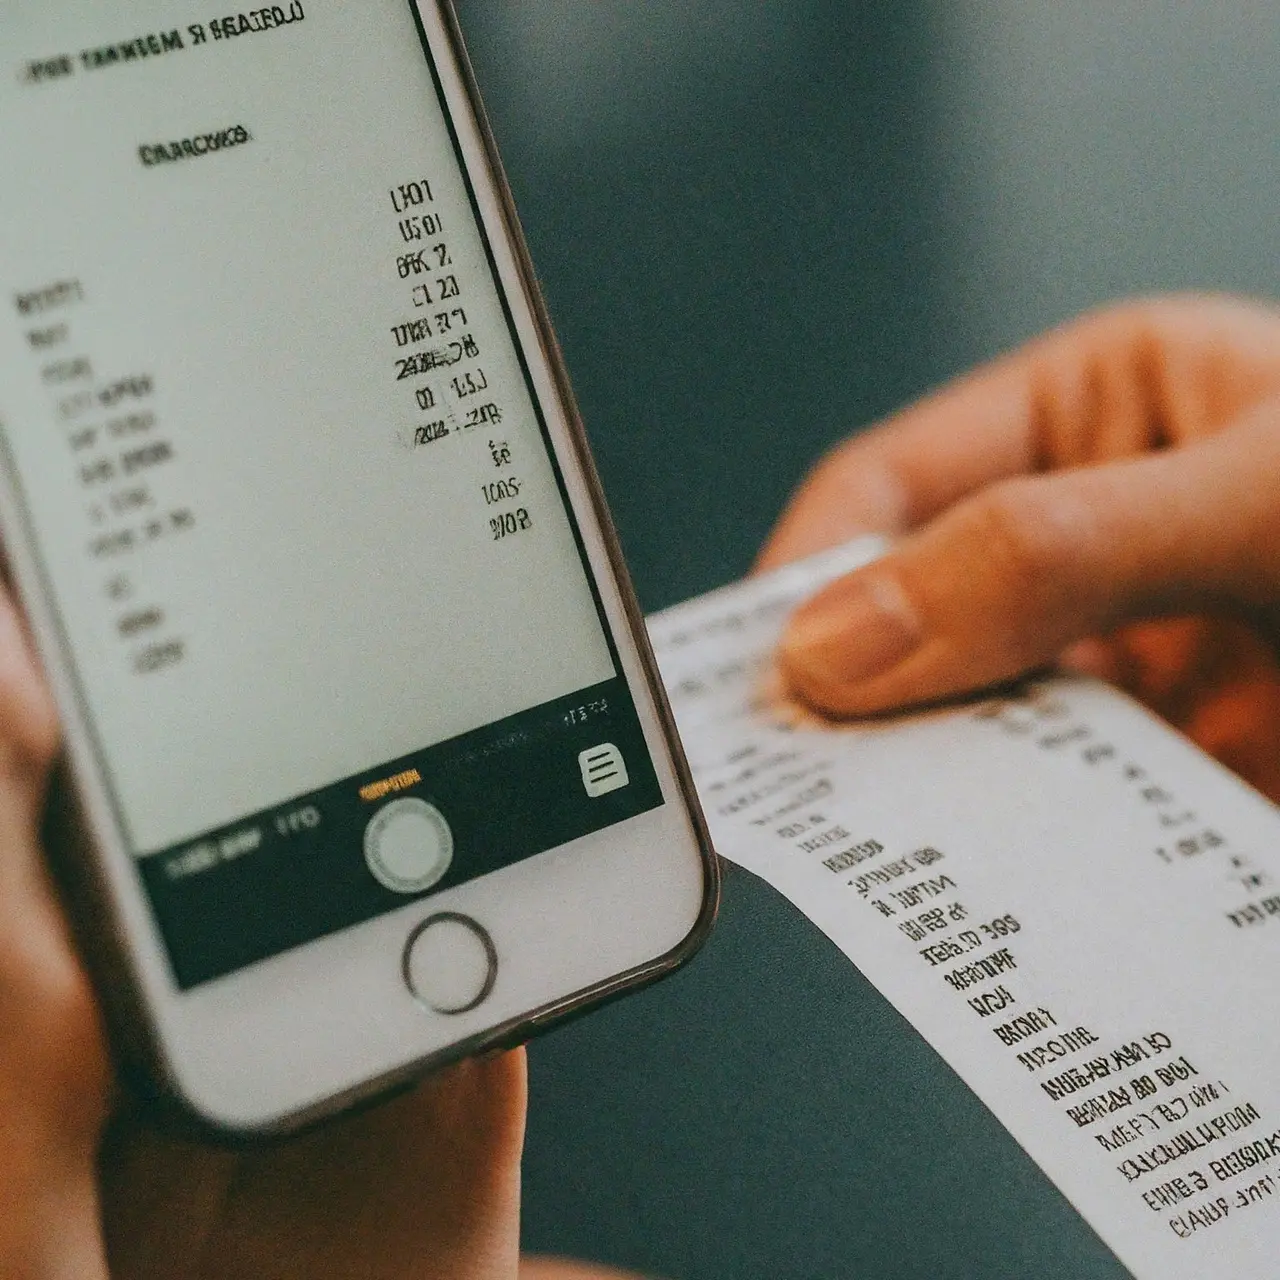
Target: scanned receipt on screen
{"x": 1075, "y": 907}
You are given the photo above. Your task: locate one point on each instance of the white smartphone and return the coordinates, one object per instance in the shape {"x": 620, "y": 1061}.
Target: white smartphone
{"x": 369, "y": 764}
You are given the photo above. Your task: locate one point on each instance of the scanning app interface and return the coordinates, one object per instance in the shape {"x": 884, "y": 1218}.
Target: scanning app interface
{"x": 268, "y": 426}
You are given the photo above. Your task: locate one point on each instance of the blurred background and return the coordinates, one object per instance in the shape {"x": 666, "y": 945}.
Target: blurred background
{"x": 762, "y": 224}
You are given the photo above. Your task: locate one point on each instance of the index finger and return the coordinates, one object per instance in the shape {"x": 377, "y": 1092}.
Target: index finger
{"x": 1116, "y": 382}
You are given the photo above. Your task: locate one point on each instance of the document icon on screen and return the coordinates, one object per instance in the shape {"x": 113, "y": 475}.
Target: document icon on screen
{"x": 603, "y": 770}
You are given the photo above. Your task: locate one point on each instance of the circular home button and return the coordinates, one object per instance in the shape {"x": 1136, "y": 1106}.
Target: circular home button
{"x": 450, "y": 963}
{"x": 408, "y": 845}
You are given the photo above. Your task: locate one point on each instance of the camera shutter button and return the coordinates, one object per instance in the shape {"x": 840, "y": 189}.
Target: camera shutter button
{"x": 408, "y": 846}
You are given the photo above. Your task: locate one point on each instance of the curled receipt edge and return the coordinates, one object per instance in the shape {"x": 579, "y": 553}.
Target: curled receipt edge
{"x": 1074, "y": 905}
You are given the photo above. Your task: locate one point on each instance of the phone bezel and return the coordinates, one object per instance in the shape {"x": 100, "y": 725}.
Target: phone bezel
{"x": 278, "y": 1045}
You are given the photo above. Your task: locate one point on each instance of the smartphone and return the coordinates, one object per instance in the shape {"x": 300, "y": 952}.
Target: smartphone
{"x": 369, "y": 764}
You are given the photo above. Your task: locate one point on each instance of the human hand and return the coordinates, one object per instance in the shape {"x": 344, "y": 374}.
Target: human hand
{"x": 426, "y": 1186}
{"x": 1109, "y": 494}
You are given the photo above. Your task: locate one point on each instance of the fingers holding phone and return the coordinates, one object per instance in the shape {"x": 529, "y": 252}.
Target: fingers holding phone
{"x": 54, "y": 1075}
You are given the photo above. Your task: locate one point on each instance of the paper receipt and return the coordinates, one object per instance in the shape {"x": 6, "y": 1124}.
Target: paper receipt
{"x": 1075, "y": 906}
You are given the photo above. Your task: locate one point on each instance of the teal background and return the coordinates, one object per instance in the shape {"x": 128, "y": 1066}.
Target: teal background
{"x": 762, "y": 224}
{"x": 738, "y": 218}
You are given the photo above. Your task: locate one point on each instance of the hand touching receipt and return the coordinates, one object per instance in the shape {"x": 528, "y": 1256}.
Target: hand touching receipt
{"x": 1109, "y": 494}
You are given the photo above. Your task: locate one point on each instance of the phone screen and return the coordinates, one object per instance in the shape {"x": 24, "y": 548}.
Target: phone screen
{"x": 328, "y": 613}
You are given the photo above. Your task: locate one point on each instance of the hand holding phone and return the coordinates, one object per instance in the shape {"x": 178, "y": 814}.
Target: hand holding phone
{"x": 427, "y": 1185}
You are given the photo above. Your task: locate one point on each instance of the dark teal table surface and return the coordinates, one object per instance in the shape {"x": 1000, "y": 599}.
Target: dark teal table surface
{"x": 761, "y": 224}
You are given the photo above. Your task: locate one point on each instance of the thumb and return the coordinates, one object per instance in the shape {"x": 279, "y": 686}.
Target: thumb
{"x": 1003, "y": 581}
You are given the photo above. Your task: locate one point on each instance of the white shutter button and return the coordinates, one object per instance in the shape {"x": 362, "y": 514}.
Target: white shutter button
{"x": 450, "y": 964}
{"x": 408, "y": 845}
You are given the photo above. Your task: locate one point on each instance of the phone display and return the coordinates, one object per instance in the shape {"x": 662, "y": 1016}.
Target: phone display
{"x": 328, "y": 614}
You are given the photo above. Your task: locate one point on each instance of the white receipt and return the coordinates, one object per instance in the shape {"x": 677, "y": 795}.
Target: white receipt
{"x": 1078, "y": 909}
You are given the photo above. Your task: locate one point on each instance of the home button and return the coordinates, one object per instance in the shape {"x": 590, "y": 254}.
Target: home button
{"x": 450, "y": 963}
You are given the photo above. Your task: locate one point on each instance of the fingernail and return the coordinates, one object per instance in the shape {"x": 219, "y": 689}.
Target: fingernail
{"x": 854, "y": 632}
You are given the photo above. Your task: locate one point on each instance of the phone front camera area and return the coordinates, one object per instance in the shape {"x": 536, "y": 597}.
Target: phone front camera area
{"x": 274, "y": 442}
